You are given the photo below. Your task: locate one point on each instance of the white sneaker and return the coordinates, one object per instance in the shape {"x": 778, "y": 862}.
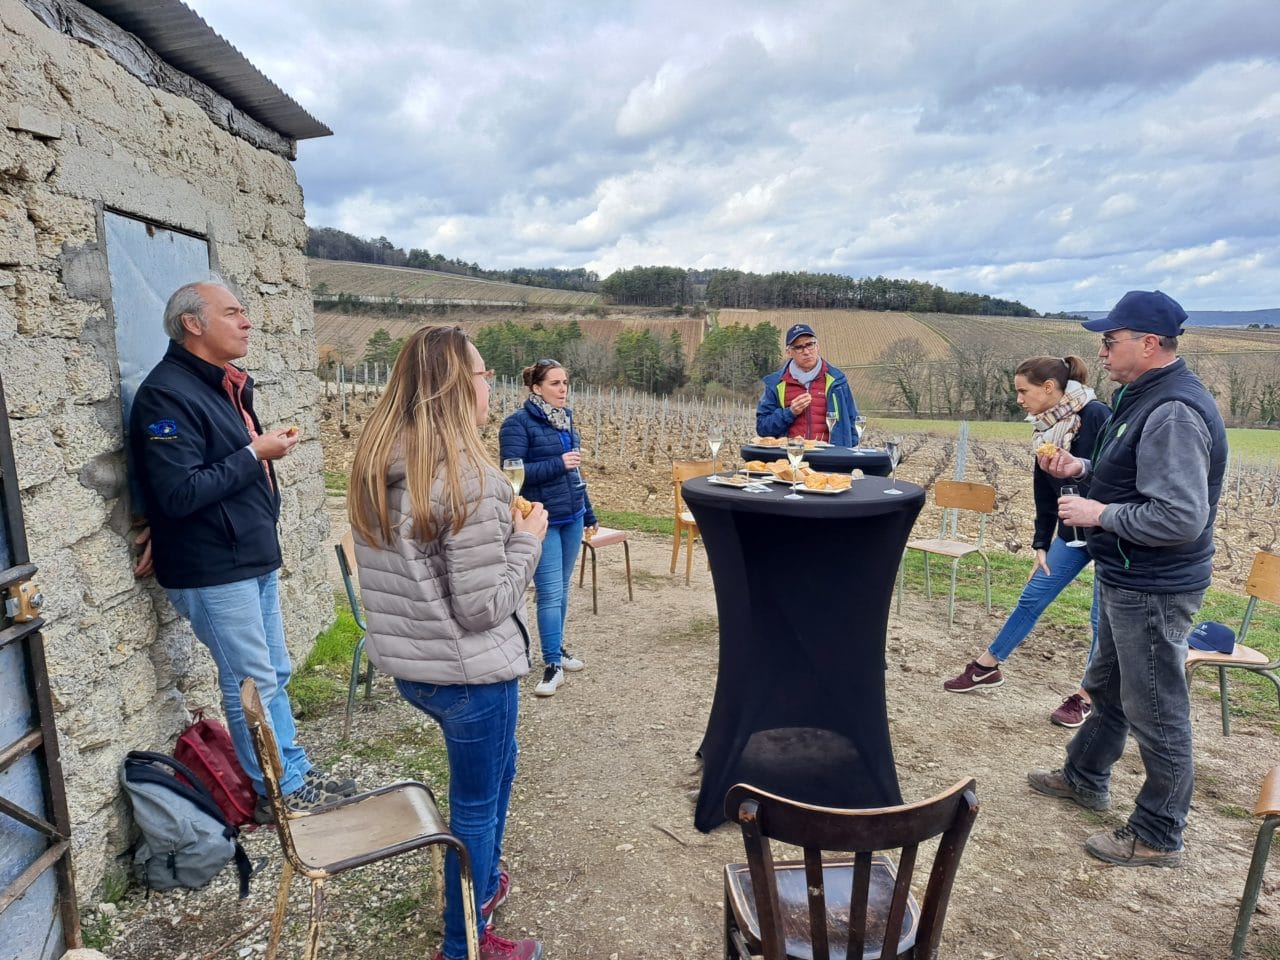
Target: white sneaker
{"x": 569, "y": 662}
{"x": 552, "y": 677}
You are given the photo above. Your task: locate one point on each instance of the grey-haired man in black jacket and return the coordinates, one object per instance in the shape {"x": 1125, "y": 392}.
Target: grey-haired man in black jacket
{"x": 207, "y": 475}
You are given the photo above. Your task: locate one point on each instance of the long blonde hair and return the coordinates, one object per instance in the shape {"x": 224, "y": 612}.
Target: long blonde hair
{"x": 426, "y": 418}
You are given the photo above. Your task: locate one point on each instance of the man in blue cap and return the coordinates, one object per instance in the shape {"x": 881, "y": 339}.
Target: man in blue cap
{"x": 798, "y": 397}
{"x": 1155, "y": 477}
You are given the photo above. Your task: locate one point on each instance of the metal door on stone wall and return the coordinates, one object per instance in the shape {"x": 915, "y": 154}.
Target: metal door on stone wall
{"x": 38, "y": 916}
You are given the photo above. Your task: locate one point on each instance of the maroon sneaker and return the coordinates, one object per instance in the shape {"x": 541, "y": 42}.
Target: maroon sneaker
{"x": 1074, "y": 711}
{"x": 975, "y": 675}
{"x": 494, "y": 947}
{"x": 498, "y": 899}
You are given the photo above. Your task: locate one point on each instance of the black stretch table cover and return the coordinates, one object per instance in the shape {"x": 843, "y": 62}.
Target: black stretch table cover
{"x": 802, "y": 590}
{"x": 870, "y": 461}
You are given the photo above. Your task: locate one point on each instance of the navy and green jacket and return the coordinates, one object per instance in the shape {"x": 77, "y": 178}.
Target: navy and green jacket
{"x": 773, "y": 417}
{"x": 210, "y": 504}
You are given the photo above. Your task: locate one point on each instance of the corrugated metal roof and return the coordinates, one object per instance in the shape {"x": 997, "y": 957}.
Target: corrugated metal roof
{"x": 176, "y": 32}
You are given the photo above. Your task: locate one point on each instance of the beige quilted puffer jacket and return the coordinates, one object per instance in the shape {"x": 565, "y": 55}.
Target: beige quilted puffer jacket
{"x": 452, "y": 610}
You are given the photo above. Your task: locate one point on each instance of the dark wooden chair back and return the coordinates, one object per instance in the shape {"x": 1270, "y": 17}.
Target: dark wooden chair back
{"x": 860, "y": 905}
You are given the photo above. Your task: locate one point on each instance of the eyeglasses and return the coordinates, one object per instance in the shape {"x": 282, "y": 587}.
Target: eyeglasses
{"x": 805, "y": 347}
{"x": 487, "y": 374}
{"x": 1108, "y": 343}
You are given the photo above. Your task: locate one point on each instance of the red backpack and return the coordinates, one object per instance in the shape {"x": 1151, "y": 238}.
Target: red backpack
{"x": 206, "y": 748}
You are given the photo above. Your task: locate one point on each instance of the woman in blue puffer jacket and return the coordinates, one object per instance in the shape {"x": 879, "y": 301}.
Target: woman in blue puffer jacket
{"x": 541, "y": 434}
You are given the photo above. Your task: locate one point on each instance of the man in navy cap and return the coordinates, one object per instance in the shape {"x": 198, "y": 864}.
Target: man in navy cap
{"x": 798, "y": 397}
{"x": 1155, "y": 477}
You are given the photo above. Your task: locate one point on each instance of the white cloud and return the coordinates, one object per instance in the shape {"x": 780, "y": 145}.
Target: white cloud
{"x": 1057, "y": 156}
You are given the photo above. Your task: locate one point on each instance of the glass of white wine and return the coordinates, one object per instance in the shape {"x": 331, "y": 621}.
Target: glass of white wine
{"x": 1071, "y": 490}
{"x": 859, "y": 428}
{"x": 514, "y": 469}
{"x": 892, "y": 447}
{"x": 795, "y": 453}
{"x": 715, "y": 437}
{"x": 832, "y": 419}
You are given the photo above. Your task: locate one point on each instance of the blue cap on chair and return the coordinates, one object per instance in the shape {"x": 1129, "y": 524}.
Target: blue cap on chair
{"x": 1214, "y": 637}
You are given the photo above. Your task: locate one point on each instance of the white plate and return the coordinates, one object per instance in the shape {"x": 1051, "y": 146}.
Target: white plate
{"x": 801, "y": 488}
{"x": 727, "y": 482}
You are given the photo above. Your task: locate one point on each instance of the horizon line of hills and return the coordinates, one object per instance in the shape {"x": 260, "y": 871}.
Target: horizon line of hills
{"x": 666, "y": 286}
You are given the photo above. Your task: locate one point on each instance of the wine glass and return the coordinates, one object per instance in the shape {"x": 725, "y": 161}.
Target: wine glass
{"x": 832, "y": 419}
{"x": 715, "y": 437}
{"x": 795, "y": 453}
{"x": 859, "y": 428}
{"x": 578, "y": 482}
{"x": 892, "y": 447}
{"x": 514, "y": 469}
{"x": 1071, "y": 490}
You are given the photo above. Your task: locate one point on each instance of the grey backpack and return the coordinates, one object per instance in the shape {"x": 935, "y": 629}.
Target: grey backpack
{"x": 186, "y": 841}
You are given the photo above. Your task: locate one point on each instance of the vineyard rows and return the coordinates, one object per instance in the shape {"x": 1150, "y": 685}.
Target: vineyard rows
{"x": 409, "y": 285}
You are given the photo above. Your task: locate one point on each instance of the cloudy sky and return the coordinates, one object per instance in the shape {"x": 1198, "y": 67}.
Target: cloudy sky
{"x": 1055, "y": 153}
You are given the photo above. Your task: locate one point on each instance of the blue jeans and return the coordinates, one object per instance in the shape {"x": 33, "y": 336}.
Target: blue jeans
{"x": 240, "y": 624}
{"x": 1136, "y": 682}
{"x": 551, "y": 579}
{"x": 1040, "y": 591}
{"x": 479, "y": 726}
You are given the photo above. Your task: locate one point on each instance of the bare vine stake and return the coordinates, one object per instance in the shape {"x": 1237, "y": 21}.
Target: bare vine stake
{"x": 962, "y": 448}
{"x": 622, "y": 433}
{"x": 342, "y": 394}
{"x": 595, "y": 441}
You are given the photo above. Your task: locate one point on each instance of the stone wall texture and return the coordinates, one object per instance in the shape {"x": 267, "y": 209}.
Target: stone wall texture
{"x": 78, "y": 134}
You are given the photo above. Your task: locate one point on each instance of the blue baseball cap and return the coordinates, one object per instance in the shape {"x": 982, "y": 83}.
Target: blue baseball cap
{"x": 1142, "y": 311}
{"x": 799, "y": 329}
{"x": 1212, "y": 636}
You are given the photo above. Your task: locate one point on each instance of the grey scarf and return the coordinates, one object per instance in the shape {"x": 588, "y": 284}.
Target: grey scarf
{"x": 558, "y": 417}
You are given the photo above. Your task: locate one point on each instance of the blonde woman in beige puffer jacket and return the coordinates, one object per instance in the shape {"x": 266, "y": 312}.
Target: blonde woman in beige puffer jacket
{"x": 445, "y": 560}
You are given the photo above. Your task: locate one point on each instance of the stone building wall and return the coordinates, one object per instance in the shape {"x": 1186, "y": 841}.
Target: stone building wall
{"x": 79, "y": 134}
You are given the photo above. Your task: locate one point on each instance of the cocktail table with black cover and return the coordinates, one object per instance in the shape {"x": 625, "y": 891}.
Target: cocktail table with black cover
{"x": 802, "y": 590}
{"x": 871, "y": 461}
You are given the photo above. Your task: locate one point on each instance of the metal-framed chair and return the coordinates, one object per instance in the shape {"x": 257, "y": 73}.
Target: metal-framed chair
{"x": 1263, "y": 584}
{"x": 856, "y": 905}
{"x": 354, "y": 832}
{"x": 1267, "y": 807}
{"x": 346, "y": 551}
{"x": 954, "y": 496}
{"x": 603, "y": 537}
{"x": 685, "y": 525}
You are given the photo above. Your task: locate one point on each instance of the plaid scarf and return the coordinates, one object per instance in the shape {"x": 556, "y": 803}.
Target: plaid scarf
{"x": 1061, "y": 422}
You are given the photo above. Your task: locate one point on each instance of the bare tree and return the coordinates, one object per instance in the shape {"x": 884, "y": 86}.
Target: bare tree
{"x": 903, "y": 365}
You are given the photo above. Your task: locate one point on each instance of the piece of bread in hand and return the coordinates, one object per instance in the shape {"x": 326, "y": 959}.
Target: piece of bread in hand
{"x": 1046, "y": 449}
{"x": 291, "y": 431}
{"x": 523, "y": 505}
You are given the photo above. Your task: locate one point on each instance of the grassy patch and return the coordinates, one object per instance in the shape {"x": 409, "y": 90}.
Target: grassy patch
{"x": 335, "y": 482}
{"x": 321, "y": 681}
{"x": 412, "y": 753}
{"x": 98, "y": 933}
{"x": 629, "y": 520}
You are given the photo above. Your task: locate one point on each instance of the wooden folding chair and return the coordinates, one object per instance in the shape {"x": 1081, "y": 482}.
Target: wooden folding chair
{"x": 371, "y": 826}
{"x": 1263, "y": 584}
{"x": 857, "y": 905}
{"x": 954, "y": 496}
{"x": 685, "y": 525}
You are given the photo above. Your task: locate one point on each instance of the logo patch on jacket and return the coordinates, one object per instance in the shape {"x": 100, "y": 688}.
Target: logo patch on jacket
{"x": 163, "y": 430}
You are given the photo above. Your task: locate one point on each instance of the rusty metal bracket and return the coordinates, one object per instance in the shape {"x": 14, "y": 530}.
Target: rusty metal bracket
{"x": 24, "y": 602}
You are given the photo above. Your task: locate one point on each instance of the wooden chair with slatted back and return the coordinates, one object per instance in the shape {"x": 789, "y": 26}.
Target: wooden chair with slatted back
{"x": 685, "y": 525}
{"x": 346, "y": 551}
{"x": 1263, "y": 584}
{"x": 354, "y": 832}
{"x": 855, "y": 905}
{"x": 953, "y": 496}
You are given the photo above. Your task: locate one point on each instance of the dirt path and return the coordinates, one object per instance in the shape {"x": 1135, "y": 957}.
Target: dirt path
{"x": 606, "y": 862}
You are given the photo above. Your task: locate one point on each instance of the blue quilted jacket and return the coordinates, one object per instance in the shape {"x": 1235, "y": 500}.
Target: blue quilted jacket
{"x": 528, "y": 434}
